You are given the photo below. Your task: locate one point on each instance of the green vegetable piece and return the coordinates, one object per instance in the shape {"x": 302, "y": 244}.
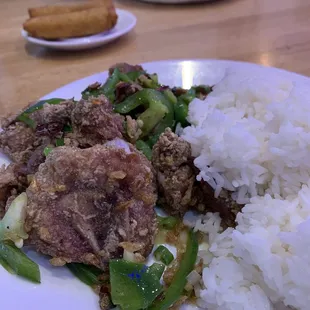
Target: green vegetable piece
{"x": 168, "y": 222}
{"x": 154, "y": 77}
{"x": 47, "y": 150}
{"x": 39, "y": 105}
{"x": 167, "y": 121}
{"x": 16, "y": 261}
{"x": 12, "y": 224}
{"x": 129, "y": 104}
{"x": 164, "y": 255}
{"x": 203, "y": 90}
{"x": 175, "y": 290}
{"x": 155, "y": 103}
{"x": 181, "y": 112}
{"x": 108, "y": 89}
{"x": 67, "y": 128}
{"x": 124, "y": 77}
{"x": 157, "y": 270}
{"x": 134, "y": 74}
{"x": 27, "y": 120}
{"x": 170, "y": 96}
{"x": 6, "y": 266}
{"x": 144, "y": 148}
{"x": 60, "y": 142}
{"x": 96, "y": 92}
{"x": 151, "y": 118}
{"x": 183, "y": 101}
{"x": 12, "y": 228}
{"x": 144, "y": 97}
{"x": 87, "y": 274}
{"x": 189, "y": 96}
{"x": 148, "y": 82}
{"x": 134, "y": 286}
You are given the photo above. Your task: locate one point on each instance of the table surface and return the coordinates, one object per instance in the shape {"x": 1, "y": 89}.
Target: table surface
{"x": 269, "y": 32}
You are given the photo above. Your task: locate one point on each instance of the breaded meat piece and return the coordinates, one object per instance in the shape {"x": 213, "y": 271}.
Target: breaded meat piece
{"x": 94, "y": 122}
{"x": 179, "y": 191}
{"x": 86, "y": 205}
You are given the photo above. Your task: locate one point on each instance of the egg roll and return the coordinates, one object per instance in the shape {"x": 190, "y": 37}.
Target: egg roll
{"x": 73, "y": 24}
{"x": 62, "y": 9}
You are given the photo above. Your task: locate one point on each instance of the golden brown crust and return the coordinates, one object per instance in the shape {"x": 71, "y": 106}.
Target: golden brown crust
{"x": 63, "y": 9}
{"x": 79, "y": 212}
{"x": 73, "y": 24}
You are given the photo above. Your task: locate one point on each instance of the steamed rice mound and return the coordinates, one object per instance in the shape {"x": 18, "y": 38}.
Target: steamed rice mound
{"x": 252, "y": 136}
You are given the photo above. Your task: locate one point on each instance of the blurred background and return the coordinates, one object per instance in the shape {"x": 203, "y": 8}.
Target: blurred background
{"x": 272, "y": 33}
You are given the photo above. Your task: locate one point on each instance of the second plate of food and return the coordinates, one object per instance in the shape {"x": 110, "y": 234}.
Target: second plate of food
{"x": 125, "y": 23}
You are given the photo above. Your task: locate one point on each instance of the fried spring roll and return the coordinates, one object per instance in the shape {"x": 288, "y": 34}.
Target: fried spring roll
{"x": 69, "y": 25}
{"x": 62, "y": 9}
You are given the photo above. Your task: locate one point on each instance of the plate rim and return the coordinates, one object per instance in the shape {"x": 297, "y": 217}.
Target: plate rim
{"x": 198, "y": 61}
{"x": 78, "y": 41}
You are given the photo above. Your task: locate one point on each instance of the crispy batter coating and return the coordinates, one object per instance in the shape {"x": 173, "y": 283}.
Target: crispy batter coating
{"x": 11, "y": 184}
{"x": 61, "y": 9}
{"x": 125, "y": 67}
{"x": 25, "y": 145}
{"x": 176, "y": 177}
{"x": 84, "y": 202}
{"x": 17, "y": 142}
{"x": 94, "y": 122}
{"x": 73, "y": 24}
{"x": 52, "y": 118}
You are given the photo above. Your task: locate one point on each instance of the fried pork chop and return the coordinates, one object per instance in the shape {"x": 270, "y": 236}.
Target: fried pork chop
{"x": 176, "y": 177}
{"x": 86, "y": 205}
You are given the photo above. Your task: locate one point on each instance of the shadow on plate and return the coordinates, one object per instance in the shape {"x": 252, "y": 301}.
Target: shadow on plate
{"x": 46, "y": 268}
{"x": 45, "y": 53}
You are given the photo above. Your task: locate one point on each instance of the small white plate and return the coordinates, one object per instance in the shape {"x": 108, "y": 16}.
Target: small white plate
{"x": 125, "y": 23}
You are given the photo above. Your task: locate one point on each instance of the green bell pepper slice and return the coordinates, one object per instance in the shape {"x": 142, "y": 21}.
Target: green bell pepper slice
{"x": 155, "y": 103}
{"x": 16, "y": 262}
{"x": 134, "y": 286}
{"x": 175, "y": 290}
{"x": 164, "y": 255}
{"x": 85, "y": 273}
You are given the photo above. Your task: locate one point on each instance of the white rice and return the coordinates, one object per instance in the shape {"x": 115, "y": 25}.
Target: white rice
{"x": 252, "y": 136}
{"x": 252, "y": 133}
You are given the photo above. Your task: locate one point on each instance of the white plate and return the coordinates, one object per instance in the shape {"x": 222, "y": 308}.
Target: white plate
{"x": 125, "y": 23}
{"x": 59, "y": 289}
